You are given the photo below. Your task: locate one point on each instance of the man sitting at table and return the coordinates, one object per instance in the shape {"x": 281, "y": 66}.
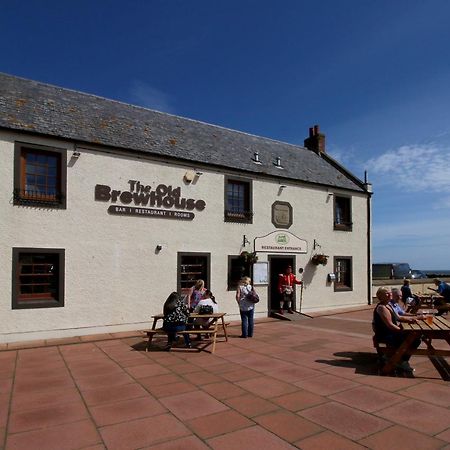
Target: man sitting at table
{"x": 402, "y": 315}
{"x": 387, "y": 329}
{"x": 441, "y": 304}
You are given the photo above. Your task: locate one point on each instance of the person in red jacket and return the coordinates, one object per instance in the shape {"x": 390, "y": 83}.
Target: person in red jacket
{"x": 286, "y": 283}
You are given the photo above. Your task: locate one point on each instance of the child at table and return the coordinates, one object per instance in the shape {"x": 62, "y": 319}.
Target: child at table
{"x": 206, "y": 305}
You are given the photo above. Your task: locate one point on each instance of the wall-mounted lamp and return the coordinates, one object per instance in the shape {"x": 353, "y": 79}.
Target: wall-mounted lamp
{"x": 198, "y": 173}
{"x": 316, "y": 245}
{"x": 159, "y": 247}
{"x": 283, "y": 186}
{"x": 331, "y": 277}
{"x": 76, "y": 154}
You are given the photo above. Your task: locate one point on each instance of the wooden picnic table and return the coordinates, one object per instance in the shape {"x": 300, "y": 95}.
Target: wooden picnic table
{"x": 425, "y": 301}
{"x": 211, "y": 331}
{"x": 439, "y": 329}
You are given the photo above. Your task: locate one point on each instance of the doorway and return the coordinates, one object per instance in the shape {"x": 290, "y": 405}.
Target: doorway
{"x": 277, "y": 265}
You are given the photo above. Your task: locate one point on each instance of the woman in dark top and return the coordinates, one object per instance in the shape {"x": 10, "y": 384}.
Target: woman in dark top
{"x": 176, "y": 314}
{"x": 387, "y": 327}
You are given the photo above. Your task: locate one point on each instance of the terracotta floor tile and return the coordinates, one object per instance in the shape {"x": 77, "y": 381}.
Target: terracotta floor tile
{"x": 46, "y": 417}
{"x": 241, "y": 374}
{"x": 287, "y": 425}
{"x": 4, "y": 408}
{"x": 26, "y": 344}
{"x": 326, "y": 384}
{"x": 367, "y": 398}
{"x": 147, "y": 370}
{"x": 346, "y": 421}
{"x": 47, "y": 399}
{"x": 295, "y": 401}
{"x": 253, "y": 438}
{"x": 192, "y": 404}
{"x": 223, "y": 390}
{"x": 114, "y": 379}
{"x": 445, "y": 436}
{"x": 267, "y": 387}
{"x": 219, "y": 423}
{"x": 70, "y": 436}
{"x": 418, "y": 415}
{"x": 6, "y": 385}
{"x": 328, "y": 440}
{"x": 167, "y": 390}
{"x": 187, "y": 443}
{"x": 391, "y": 384}
{"x": 111, "y": 394}
{"x": 250, "y": 406}
{"x": 200, "y": 378}
{"x": 401, "y": 438}
{"x": 126, "y": 410}
{"x": 63, "y": 341}
{"x": 294, "y": 373}
{"x": 159, "y": 380}
{"x": 184, "y": 368}
{"x": 30, "y": 385}
{"x": 143, "y": 432}
{"x": 429, "y": 392}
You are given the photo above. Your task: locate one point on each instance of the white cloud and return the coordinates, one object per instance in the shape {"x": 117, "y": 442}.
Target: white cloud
{"x": 147, "y": 96}
{"x": 414, "y": 167}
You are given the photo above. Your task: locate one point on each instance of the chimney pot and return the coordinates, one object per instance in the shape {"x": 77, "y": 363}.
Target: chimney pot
{"x": 316, "y": 140}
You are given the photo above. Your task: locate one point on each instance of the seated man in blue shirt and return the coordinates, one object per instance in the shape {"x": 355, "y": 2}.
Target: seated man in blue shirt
{"x": 398, "y": 309}
{"x": 442, "y": 304}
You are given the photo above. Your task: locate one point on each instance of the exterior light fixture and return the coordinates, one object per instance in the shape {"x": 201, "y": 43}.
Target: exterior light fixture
{"x": 159, "y": 247}
{"x": 76, "y": 154}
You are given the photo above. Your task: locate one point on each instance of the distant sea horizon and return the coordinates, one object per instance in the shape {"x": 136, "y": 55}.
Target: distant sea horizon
{"x": 437, "y": 272}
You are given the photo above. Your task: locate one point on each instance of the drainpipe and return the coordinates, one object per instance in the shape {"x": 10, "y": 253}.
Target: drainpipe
{"x": 368, "y": 188}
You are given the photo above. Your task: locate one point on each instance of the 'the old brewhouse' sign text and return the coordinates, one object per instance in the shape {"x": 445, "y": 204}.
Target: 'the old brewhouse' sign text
{"x": 140, "y": 195}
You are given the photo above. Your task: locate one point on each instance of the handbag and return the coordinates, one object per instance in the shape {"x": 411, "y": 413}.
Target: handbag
{"x": 252, "y": 297}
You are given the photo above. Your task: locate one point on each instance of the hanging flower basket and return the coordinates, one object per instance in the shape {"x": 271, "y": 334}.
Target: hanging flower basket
{"x": 319, "y": 258}
{"x": 249, "y": 258}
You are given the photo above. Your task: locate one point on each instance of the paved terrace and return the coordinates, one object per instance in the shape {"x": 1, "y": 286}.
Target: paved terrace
{"x": 312, "y": 384}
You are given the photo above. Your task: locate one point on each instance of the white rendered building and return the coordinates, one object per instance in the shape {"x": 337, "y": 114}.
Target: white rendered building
{"x": 108, "y": 207}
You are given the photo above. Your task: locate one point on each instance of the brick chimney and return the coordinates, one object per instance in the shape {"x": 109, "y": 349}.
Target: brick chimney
{"x": 316, "y": 140}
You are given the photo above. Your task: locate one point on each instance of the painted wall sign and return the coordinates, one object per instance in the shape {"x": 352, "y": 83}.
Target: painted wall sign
{"x": 280, "y": 242}
{"x": 141, "y": 195}
{"x": 148, "y": 212}
{"x": 282, "y": 214}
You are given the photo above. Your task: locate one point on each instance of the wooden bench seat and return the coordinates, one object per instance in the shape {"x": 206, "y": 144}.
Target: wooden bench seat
{"x": 203, "y": 331}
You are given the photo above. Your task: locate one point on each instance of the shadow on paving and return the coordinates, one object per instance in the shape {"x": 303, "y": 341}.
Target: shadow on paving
{"x": 366, "y": 363}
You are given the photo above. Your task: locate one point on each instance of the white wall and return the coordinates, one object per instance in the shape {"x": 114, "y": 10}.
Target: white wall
{"x": 115, "y": 281}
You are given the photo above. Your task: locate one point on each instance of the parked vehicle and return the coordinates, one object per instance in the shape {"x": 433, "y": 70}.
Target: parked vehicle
{"x": 386, "y": 271}
{"x": 416, "y": 274}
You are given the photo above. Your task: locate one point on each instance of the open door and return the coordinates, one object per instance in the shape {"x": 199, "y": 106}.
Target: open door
{"x": 277, "y": 265}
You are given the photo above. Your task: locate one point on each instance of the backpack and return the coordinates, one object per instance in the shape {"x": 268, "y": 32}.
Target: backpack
{"x": 205, "y": 309}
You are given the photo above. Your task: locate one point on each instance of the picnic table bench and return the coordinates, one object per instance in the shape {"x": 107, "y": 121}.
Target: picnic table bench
{"x": 210, "y": 332}
{"x": 438, "y": 329}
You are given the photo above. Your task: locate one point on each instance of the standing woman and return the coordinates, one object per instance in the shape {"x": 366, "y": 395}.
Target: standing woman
{"x": 246, "y": 308}
{"x": 196, "y": 294}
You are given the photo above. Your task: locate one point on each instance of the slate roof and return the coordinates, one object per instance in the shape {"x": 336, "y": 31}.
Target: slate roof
{"x": 35, "y": 107}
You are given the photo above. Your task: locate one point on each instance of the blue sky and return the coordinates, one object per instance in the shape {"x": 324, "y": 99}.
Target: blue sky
{"x": 374, "y": 75}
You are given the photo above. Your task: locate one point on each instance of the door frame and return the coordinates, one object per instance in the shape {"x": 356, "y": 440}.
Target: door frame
{"x": 270, "y": 259}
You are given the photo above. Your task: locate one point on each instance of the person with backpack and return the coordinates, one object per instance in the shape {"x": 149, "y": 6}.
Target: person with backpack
{"x": 207, "y": 305}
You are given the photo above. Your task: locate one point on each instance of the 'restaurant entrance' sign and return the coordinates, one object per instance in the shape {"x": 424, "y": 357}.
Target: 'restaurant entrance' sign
{"x": 141, "y": 195}
{"x": 280, "y": 242}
